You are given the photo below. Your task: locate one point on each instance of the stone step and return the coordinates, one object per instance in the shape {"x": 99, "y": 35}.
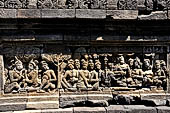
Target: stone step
{"x": 28, "y": 99}
{"x": 29, "y": 105}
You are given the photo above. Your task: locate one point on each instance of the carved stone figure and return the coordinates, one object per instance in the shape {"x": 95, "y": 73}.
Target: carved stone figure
{"x": 84, "y": 75}
{"x": 32, "y": 75}
{"x": 93, "y": 76}
{"x": 49, "y": 78}
{"x": 159, "y": 78}
{"x": 137, "y": 73}
{"x": 147, "y": 73}
{"x": 17, "y": 77}
{"x": 122, "y": 72}
{"x": 106, "y": 78}
{"x": 70, "y": 78}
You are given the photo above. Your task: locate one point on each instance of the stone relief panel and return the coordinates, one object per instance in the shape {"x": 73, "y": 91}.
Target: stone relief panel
{"x": 84, "y": 4}
{"x": 85, "y": 72}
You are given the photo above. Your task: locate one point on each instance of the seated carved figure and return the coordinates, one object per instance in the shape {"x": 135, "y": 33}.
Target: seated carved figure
{"x": 159, "y": 78}
{"x": 17, "y": 77}
{"x": 164, "y": 67}
{"x": 49, "y": 79}
{"x": 93, "y": 79}
{"x": 147, "y": 73}
{"x": 32, "y": 75}
{"x": 70, "y": 78}
{"x": 137, "y": 73}
{"x": 122, "y": 72}
{"x": 84, "y": 76}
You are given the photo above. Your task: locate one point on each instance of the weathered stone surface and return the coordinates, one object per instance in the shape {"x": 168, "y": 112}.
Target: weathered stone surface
{"x": 13, "y": 106}
{"x": 89, "y": 110}
{"x": 68, "y": 99}
{"x": 157, "y": 15}
{"x": 154, "y": 102}
{"x": 140, "y": 108}
{"x": 2, "y": 77}
{"x": 141, "y": 5}
{"x": 122, "y": 14}
{"x": 60, "y": 110}
{"x": 58, "y": 13}
{"x": 91, "y": 13}
{"x": 8, "y": 13}
{"x": 154, "y": 99}
{"x": 126, "y": 99}
{"x": 28, "y": 13}
{"x": 111, "y": 4}
{"x": 163, "y": 109}
{"x": 168, "y": 14}
{"x": 42, "y": 105}
{"x": 116, "y": 109}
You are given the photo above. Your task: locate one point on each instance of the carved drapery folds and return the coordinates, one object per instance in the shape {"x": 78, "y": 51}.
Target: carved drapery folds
{"x": 48, "y": 73}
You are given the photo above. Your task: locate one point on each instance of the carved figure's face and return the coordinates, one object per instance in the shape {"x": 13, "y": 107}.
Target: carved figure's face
{"x": 19, "y": 65}
{"x": 91, "y": 64}
{"x": 131, "y": 63}
{"x": 30, "y": 66}
{"x": 157, "y": 66}
{"x": 77, "y": 64}
{"x": 110, "y": 65}
{"x": 84, "y": 64}
{"x": 45, "y": 66}
{"x": 98, "y": 65}
{"x": 121, "y": 60}
{"x": 146, "y": 63}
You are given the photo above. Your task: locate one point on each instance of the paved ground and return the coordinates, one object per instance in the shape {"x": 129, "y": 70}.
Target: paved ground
{"x": 110, "y": 109}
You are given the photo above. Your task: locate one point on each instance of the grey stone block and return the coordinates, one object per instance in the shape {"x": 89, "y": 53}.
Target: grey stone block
{"x": 58, "y": 13}
{"x": 163, "y": 109}
{"x": 65, "y": 110}
{"x": 157, "y": 15}
{"x": 91, "y": 13}
{"x": 140, "y": 109}
{"x": 89, "y": 110}
{"x": 122, "y": 14}
{"x": 8, "y": 13}
{"x": 28, "y": 13}
{"x": 116, "y": 109}
{"x": 12, "y": 106}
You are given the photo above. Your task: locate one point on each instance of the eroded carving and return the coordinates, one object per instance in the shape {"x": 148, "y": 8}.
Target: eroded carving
{"x": 88, "y": 72}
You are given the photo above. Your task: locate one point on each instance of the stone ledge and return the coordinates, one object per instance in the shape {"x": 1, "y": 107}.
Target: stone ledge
{"x": 122, "y": 14}
{"x": 157, "y": 15}
{"x": 58, "y": 13}
{"x": 8, "y": 13}
{"x": 91, "y": 13}
{"x": 28, "y": 13}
